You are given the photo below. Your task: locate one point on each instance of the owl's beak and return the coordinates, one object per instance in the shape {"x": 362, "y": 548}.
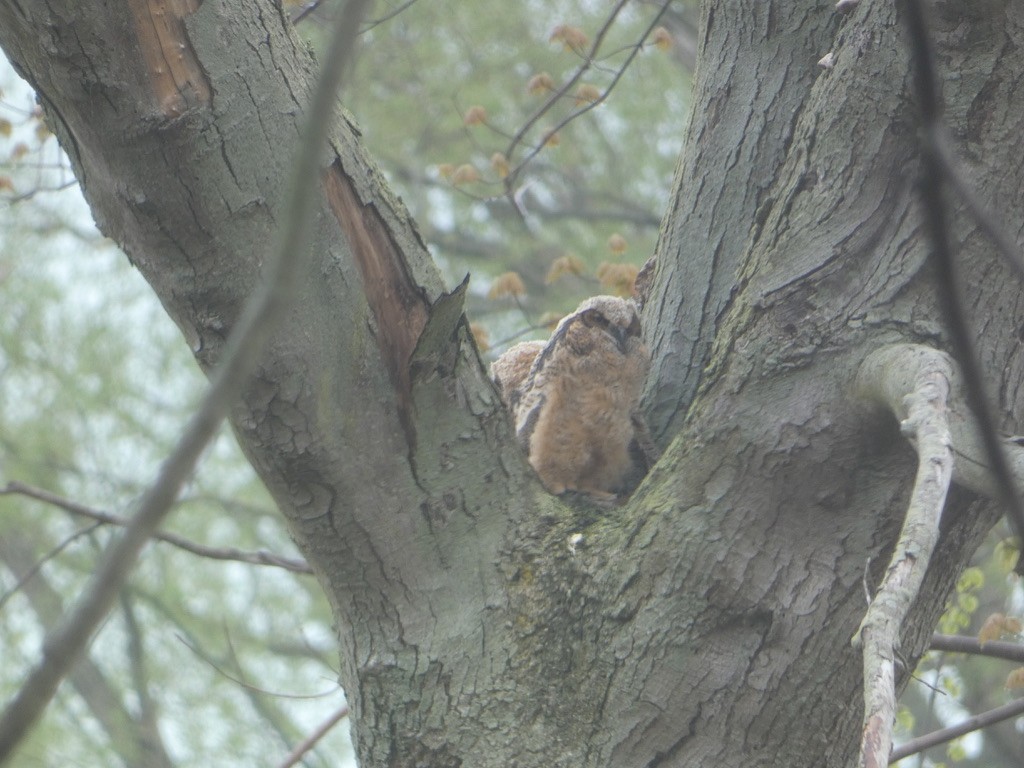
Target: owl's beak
{"x": 621, "y": 336}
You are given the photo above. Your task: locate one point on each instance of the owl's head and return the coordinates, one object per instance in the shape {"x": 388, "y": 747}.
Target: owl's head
{"x": 610, "y": 315}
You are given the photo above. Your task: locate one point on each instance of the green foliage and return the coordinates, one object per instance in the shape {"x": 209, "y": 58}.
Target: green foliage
{"x": 971, "y": 580}
{"x": 904, "y": 721}
{"x": 956, "y": 751}
{"x": 1007, "y": 553}
{"x": 441, "y": 90}
{"x": 964, "y": 603}
{"x": 986, "y": 600}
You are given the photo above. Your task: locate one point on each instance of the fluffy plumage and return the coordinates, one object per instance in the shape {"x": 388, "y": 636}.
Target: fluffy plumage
{"x": 575, "y": 410}
{"x": 509, "y": 371}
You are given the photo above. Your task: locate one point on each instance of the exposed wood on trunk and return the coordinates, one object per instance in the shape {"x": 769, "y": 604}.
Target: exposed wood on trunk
{"x": 171, "y": 63}
{"x": 398, "y": 304}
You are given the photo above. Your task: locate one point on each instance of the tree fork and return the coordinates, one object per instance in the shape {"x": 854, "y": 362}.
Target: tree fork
{"x": 707, "y": 622}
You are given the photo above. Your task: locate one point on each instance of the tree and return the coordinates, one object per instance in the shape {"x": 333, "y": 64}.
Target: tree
{"x": 706, "y": 621}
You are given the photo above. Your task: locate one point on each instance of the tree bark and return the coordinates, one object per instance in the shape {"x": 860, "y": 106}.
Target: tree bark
{"x": 708, "y": 621}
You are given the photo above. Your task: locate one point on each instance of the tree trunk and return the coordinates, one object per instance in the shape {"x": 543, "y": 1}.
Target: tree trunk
{"x": 708, "y": 621}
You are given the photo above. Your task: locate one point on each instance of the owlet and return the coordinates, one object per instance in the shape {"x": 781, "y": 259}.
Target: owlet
{"x": 575, "y": 409}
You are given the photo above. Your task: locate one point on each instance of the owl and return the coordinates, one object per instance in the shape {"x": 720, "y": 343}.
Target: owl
{"x": 575, "y": 409}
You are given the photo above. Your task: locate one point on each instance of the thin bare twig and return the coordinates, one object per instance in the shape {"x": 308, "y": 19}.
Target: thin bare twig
{"x": 37, "y": 566}
{"x": 517, "y": 335}
{"x": 105, "y": 518}
{"x": 976, "y": 723}
{"x": 310, "y": 741}
{"x": 306, "y": 10}
{"x": 312, "y": 6}
{"x": 387, "y": 16}
{"x": 249, "y": 686}
{"x": 65, "y": 643}
{"x": 561, "y": 92}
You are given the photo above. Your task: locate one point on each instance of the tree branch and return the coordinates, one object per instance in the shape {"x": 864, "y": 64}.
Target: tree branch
{"x": 560, "y": 93}
{"x": 921, "y": 387}
{"x": 564, "y": 90}
{"x": 310, "y": 741}
{"x": 38, "y": 565}
{"x": 214, "y": 553}
{"x": 922, "y": 411}
{"x": 888, "y": 374}
{"x": 994, "y": 648}
{"x": 148, "y": 720}
{"x": 66, "y": 642}
{"x": 976, "y": 723}
{"x": 194, "y": 647}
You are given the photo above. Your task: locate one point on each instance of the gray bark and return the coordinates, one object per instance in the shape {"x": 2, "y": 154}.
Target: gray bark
{"x": 708, "y": 621}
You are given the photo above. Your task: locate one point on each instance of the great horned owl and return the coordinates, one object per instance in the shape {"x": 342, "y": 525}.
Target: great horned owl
{"x": 576, "y": 409}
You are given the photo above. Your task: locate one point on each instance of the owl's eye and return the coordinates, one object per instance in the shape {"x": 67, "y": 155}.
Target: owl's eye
{"x": 634, "y": 327}
{"x": 594, "y": 319}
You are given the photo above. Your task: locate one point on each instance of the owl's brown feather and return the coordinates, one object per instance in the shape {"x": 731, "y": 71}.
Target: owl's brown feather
{"x": 575, "y": 409}
{"x": 509, "y": 372}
